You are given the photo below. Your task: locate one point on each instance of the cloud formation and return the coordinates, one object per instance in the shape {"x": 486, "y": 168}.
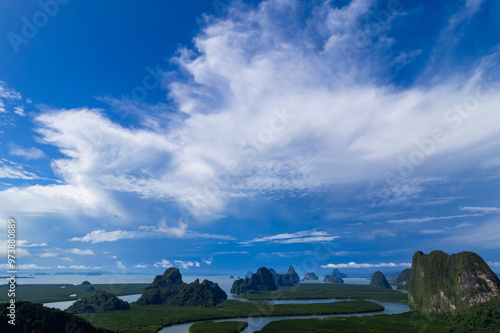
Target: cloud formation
{"x": 355, "y": 265}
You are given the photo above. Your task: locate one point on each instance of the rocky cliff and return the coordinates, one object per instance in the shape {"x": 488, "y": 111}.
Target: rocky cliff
{"x": 333, "y": 279}
{"x": 443, "y": 283}
{"x": 339, "y": 274}
{"x": 310, "y": 277}
{"x": 170, "y": 289}
{"x": 289, "y": 279}
{"x": 379, "y": 281}
{"x": 403, "y": 279}
{"x": 101, "y": 301}
{"x": 261, "y": 281}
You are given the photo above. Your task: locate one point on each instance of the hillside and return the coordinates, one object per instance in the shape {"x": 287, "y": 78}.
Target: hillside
{"x": 443, "y": 283}
{"x": 171, "y": 290}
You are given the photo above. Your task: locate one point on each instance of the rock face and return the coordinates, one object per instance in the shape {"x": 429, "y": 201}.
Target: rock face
{"x": 261, "y": 281}
{"x": 170, "y": 289}
{"x": 289, "y": 279}
{"x": 379, "y": 281}
{"x": 310, "y": 277}
{"x": 403, "y": 279}
{"x": 338, "y": 274}
{"x": 333, "y": 279}
{"x": 443, "y": 283}
{"x": 101, "y": 301}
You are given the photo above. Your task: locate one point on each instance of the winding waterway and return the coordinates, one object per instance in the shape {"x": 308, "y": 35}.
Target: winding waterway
{"x": 257, "y": 323}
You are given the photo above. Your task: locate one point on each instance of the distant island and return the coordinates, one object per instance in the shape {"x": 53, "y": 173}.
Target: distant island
{"x": 263, "y": 280}
{"x": 169, "y": 289}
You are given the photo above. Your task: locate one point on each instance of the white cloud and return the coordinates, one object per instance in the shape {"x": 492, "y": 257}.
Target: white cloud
{"x": 184, "y": 264}
{"x": 230, "y": 252}
{"x": 24, "y": 266}
{"x": 208, "y": 261}
{"x": 28, "y": 153}
{"x": 78, "y": 267}
{"x": 68, "y": 259}
{"x": 427, "y": 219}
{"x": 162, "y": 230}
{"x": 80, "y": 252}
{"x": 140, "y": 266}
{"x": 120, "y": 265}
{"x": 483, "y": 210}
{"x": 19, "y": 110}
{"x": 20, "y": 252}
{"x": 313, "y": 236}
{"x": 377, "y": 234}
{"x": 47, "y": 255}
{"x": 163, "y": 263}
{"x": 284, "y": 109}
{"x": 25, "y": 243}
{"x": 7, "y": 94}
{"x": 15, "y": 172}
{"x": 355, "y": 265}
{"x": 493, "y": 264}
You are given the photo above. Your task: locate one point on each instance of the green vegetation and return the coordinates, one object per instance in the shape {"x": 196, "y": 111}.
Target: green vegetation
{"x": 31, "y": 317}
{"x": 379, "y": 281}
{"x": 403, "y": 279}
{"x": 444, "y": 283}
{"x": 44, "y": 293}
{"x": 263, "y": 280}
{"x": 330, "y": 291}
{"x": 484, "y": 318}
{"x": 150, "y": 318}
{"x": 221, "y": 327}
{"x": 101, "y": 301}
{"x": 169, "y": 289}
{"x": 409, "y": 322}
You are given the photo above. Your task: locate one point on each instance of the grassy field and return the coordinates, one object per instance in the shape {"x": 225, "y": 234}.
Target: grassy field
{"x": 328, "y": 291}
{"x": 408, "y": 322}
{"x": 222, "y": 327}
{"x": 44, "y": 293}
{"x": 150, "y": 318}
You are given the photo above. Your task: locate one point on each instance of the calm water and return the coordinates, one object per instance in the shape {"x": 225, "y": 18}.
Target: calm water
{"x": 224, "y": 282}
{"x": 255, "y": 324}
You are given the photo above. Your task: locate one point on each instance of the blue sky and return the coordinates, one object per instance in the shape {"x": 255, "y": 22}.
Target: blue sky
{"x": 222, "y": 136}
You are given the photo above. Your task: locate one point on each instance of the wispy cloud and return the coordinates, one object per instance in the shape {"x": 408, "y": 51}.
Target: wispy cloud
{"x": 28, "y": 153}
{"x": 80, "y": 252}
{"x": 186, "y": 264}
{"x": 427, "y": 219}
{"x": 162, "y": 230}
{"x": 313, "y": 236}
{"x": 120, "y": 265}
{"x": 163, "y": 263}
{"x": 208, "y": 261}
{"x": 47, "y": 255}
{"x": 15, "y": 171}
{"x": 377, "y": 233}
{"x": 483, "y": 210}
{"x": 19, "y": 110}
{"x": 78, "y": 267}
{"x": 230, "y": 252}
{"x": 140, "y": 266}
{"x": 24, "y": 266}
{"x": 7, "y": 94}
{"x": 355, "y": 265}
